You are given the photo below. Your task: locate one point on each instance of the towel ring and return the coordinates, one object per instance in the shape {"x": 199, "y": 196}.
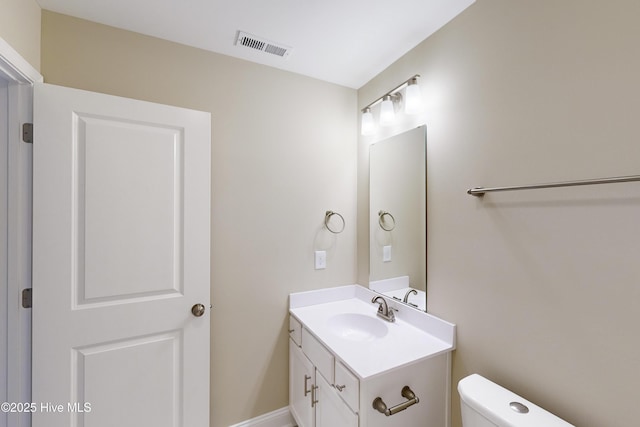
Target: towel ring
{"x": 327, "y": 217}
{"x": 381, "y": 220}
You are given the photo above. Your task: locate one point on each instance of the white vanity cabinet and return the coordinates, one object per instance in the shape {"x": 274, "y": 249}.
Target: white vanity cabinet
{"x": 313, "y": 399}
{"x": 349, "y": 368}
{"x": 323, "y": 392}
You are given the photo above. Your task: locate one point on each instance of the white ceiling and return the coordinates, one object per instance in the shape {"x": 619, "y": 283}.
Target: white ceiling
{"x": 343, "y": 42}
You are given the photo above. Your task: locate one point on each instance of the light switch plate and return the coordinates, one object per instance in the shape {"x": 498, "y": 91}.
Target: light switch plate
{"x": 386, "y": 253}
{"x": 321, "y": 260}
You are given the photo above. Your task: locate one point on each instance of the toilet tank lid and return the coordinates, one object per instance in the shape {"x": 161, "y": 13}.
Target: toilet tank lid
{"x": 495, "y": 404}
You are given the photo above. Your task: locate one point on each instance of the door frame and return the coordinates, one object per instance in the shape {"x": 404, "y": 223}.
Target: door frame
{"x": 21, "y": 77}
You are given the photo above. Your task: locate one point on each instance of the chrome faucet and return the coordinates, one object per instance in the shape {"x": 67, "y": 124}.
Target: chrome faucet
{"x": 384, "y": 311}
{"x": 406, "y": 296}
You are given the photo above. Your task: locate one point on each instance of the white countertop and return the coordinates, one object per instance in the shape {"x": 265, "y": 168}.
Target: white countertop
{"x": 414, "y": 335}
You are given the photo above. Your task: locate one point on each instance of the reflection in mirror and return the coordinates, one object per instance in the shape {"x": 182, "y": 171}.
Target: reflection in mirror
{"x": 398, "y": 217}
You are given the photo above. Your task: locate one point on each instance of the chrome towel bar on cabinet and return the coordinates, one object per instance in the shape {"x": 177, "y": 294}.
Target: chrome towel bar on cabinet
{"x": 407, "y": 393}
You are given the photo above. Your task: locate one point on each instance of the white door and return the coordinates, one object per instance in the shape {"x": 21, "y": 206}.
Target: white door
{"x": 120, "y": 256}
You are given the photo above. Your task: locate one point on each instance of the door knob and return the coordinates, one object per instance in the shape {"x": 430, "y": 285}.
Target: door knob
{"x": 197, "y": 310}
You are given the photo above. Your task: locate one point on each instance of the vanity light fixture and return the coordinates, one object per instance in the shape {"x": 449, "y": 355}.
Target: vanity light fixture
{"x": 368, "y": 125}
{"x": 412, "y": 105}
{"x": 387, "y": 113}
{"x": 412, "y": 97}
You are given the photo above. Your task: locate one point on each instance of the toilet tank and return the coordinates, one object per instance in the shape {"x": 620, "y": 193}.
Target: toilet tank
{"x": 486, "y": 404}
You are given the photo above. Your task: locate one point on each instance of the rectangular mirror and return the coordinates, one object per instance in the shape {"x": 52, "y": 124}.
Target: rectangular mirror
{"x": 398, "y": 217}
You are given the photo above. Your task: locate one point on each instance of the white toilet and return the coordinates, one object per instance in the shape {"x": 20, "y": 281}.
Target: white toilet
{"x": 486, "y": 404}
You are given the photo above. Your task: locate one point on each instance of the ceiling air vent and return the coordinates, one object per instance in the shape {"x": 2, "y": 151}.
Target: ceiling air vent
{"x": 258, "y": 43}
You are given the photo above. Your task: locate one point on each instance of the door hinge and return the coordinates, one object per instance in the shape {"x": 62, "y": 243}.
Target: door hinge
{"x": 26, "y": 298}
{"x": 27, "y": 132}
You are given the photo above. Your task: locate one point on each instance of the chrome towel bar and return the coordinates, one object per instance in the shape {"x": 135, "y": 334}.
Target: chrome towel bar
{"x": 407, "y": 393}
{"x": 480, "y": 191}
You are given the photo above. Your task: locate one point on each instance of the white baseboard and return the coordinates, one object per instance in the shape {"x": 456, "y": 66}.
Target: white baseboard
{"x": 278, "y": 418}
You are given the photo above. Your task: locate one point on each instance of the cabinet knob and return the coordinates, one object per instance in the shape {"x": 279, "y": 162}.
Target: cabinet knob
{"x": 340, "y": 387}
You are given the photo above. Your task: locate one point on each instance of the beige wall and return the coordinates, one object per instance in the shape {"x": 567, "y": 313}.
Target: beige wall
{"x": 543, "y": 285}
{"x": 20, "y": 27}
{"x": 283, "y": 152}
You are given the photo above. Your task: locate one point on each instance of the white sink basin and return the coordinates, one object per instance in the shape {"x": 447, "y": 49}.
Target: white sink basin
{"x": 344, "y": 320}
{"x": 357, "y": 327}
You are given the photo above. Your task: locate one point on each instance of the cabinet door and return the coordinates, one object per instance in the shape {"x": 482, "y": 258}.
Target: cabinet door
{"x": 331, "y": 411}
{"x": 347, "y": 386}
{"x": 301, "y": 380}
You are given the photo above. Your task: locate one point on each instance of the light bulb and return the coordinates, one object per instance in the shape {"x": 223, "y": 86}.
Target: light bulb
{"x": 387, "y": 115}
{"x": 413, "y": 97}
{"x": 368, "y": 125}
